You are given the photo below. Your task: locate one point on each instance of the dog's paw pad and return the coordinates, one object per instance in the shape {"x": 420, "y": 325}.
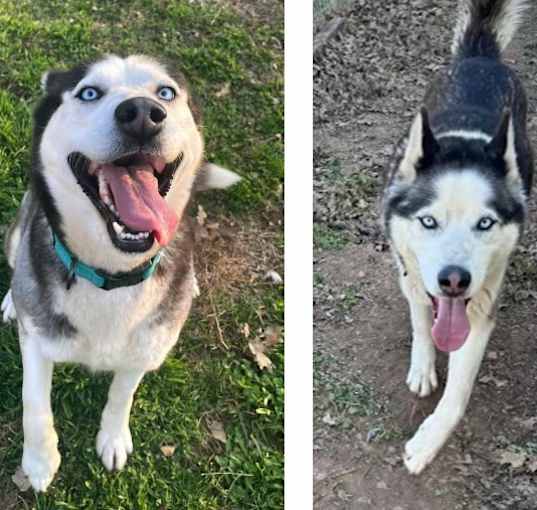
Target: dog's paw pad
{"x": 40, "y": 468}
{"x": 114, "y": 448}
{"x": 422, "y": 379}
{"x": 8, "y": 308}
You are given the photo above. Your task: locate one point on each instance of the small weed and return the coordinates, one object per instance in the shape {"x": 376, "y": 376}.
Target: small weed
{"x": 349, "y": 298}
{"x": 325, "y": 238}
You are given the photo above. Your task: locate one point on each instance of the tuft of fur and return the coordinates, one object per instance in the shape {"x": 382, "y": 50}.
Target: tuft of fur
{"x": 485, "y": 27}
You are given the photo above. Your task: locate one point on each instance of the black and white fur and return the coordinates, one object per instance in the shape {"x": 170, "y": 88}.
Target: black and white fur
{"x": 456, "y": 196}
{"x": 128, "y": 330}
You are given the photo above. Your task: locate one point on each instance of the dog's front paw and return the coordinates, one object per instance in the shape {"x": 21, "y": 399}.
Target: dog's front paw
{"x": 421, "y": 378}
{"x": 8, "y": 308}
{"x": 114, "y": 448}
{"x": 40, "y": 466}
{"x": 427, "y": 441}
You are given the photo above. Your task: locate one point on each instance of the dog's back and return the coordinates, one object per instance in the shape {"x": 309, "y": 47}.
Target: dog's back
{"x": 471, "y": 96}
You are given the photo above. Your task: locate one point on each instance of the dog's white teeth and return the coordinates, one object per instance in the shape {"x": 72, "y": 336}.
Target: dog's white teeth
{"x": 118, "y": 228}
{"x": 120, "y": 231}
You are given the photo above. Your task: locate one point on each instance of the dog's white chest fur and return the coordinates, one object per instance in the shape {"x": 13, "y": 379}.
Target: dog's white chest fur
{"x": 113, "y": 327}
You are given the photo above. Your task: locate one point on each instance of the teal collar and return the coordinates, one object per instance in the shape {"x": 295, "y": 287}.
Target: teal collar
{"x": 98, "y": 277}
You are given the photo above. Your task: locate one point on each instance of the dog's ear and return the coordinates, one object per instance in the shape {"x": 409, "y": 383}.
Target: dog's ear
{"x": 420, "y": 148}
{"x": 54, "y": 83}
{"x": 502, "y": 146}
{"x": 211, "y": 176}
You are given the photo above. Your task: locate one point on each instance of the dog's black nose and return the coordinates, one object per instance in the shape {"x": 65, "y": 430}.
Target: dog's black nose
{"x": 454, "y": 280}
{"x": 140, "y": 118}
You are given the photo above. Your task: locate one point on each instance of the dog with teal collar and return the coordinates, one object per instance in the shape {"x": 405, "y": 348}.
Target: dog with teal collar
{"x": 102, "y": 248}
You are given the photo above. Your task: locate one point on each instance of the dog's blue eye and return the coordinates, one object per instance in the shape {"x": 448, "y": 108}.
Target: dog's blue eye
{"x": 89, "y": 94}
{"x": 428, "y": 222}
{"x": 166, "y": 93}
{"x": 485, "y": 223}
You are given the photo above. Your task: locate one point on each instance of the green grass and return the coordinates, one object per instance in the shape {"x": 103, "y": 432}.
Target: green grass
{"x": 326, "y": 238}
{"x": 201, "y": 381}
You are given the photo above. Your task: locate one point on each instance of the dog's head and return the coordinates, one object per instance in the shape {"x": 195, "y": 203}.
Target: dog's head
{"x": 454, "y": 210}
{"x": 117, "y": 145}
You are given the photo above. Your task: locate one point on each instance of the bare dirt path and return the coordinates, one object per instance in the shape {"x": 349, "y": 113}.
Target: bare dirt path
{"x": 369, "y": 78}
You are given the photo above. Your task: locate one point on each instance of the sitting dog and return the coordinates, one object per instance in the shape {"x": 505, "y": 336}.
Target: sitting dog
{"x": 454, "y": 208}
{"x": 101, "y": 249}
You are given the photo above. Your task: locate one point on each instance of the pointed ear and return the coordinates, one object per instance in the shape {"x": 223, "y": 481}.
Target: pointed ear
{"x": 54, "y": 83}
{"x": 211, "y": 176}
{"x": 420, "y": 149}
{"x": 502, "y": 146}
{"x": 497, "y": 146}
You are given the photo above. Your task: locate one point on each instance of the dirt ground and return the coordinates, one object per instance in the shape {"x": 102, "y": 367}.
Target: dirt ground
{"x": 371, "y": 66}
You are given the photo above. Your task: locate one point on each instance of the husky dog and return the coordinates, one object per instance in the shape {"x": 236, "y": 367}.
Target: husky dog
{"x": 101, "y": 249}
{"x": 454, "y": 208}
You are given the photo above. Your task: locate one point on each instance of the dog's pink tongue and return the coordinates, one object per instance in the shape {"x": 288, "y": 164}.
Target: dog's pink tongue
{"x": 451, "y": 326}
{"x": 139, "y": 203}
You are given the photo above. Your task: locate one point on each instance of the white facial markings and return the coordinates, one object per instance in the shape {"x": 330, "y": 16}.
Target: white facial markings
{"x": 89, "y": 127}
{"x": 466, "y": 134}
{"x": 464, "y": 235}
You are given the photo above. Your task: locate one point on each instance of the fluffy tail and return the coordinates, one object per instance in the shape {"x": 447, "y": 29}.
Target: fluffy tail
{"x": 485, "y": 27}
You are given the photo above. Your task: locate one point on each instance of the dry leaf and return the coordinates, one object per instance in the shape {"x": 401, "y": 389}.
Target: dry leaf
{"x": 167, "y": 450}
{"x": 528, "y": 423}
{"x": 224, "y": 91}
{"x": 327, "y": 418}
{"x": 514, "y": 459}
{"x": 21, "y": 480}
{"x": 532, "y": 464}
{"x": 245, "y": 330}
{"x": 201, "y": 216}
{"x": 216, "y": 428}
{"x": 272, "y": 336}
{"x": 258, "y": 350}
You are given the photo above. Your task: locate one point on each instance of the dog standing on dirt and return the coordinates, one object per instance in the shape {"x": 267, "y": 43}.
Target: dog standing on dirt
{"x": 101, "y": 249}
{"x": 454, "y": 208}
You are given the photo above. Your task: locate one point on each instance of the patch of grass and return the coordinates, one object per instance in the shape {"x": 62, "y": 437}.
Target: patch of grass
{"x": 349, "y": 298}
{"x": 325, "y": 238}
{"x": 318, "y": 279}
{"x": 202, "y": 380}
{"x": 343, "y": 395}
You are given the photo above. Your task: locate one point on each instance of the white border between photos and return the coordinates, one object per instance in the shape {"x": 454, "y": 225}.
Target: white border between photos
{"x": 298, "y": 254}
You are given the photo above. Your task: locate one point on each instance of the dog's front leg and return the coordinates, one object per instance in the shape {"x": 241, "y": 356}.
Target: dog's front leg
{"x": 40, "y": 458}
{"x": 435, "y": 430}
{"x": 421, "y": 377}
{"x": 114, "y": 441}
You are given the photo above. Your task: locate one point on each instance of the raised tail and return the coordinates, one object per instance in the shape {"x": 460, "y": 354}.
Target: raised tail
{"x": 485, "y": 27}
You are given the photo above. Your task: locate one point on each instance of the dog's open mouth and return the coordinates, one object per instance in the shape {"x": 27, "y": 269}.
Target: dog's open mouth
{"x": 451, "y": 326}
{"x": 129, "y": 193}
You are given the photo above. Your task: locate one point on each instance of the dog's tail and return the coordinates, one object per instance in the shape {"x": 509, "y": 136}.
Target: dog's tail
{"x": 485, "y": 27}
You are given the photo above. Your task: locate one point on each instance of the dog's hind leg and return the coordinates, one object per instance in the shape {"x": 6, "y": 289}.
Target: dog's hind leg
{"x": 114, "y": 441}
{"x": 421, "y": 377}
{"x": 435, "y": 430}
{"x": 40, "y": 458}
